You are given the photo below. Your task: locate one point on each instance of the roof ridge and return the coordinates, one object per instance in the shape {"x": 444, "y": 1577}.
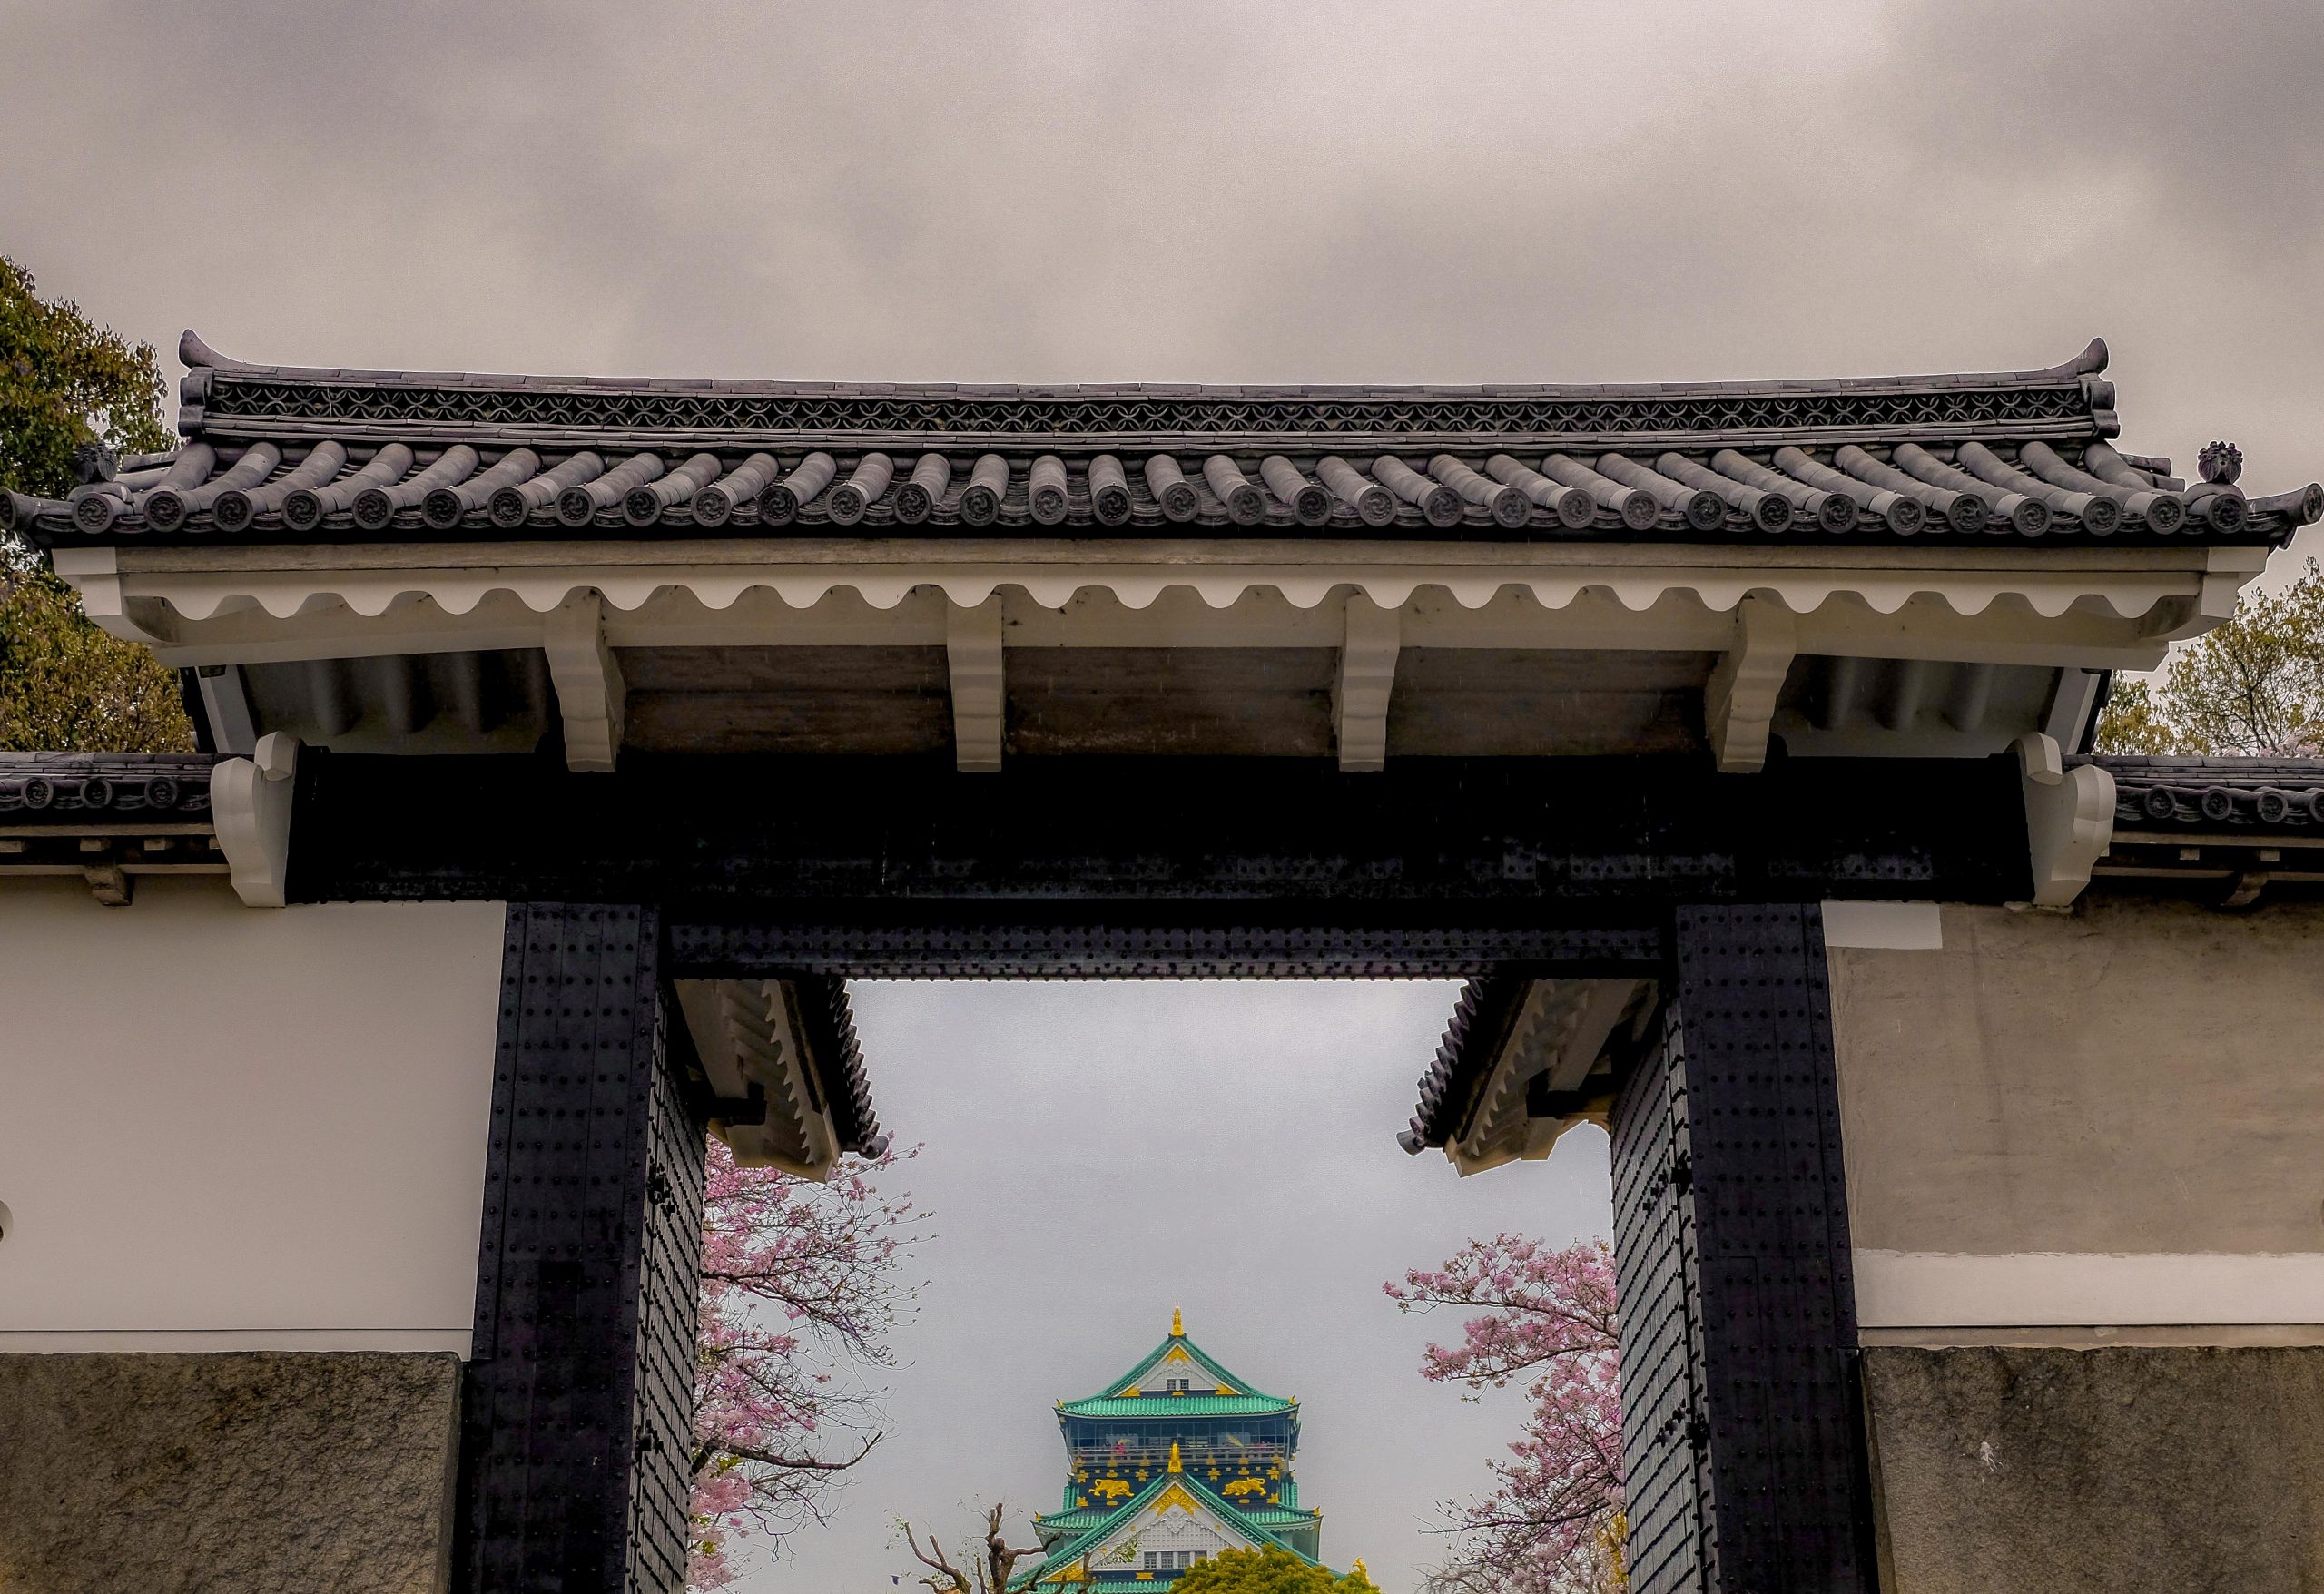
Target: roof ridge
{"x": 198, "y": 355}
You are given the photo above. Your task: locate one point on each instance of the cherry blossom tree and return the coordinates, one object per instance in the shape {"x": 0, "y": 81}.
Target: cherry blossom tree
{"x": 1542, "y": 1318}
{"x": 800, "y": 1285}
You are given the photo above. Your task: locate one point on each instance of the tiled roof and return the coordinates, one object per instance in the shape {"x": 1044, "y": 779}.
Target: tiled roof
{"x": 282, "y": 454}
{"x": 91, "y": 789}
{"x": 1107, "y": 1403}
{"x": 107, "y": 818}
{"x": 1488, "y": 1005}
{"x": 1169, "y": 1405}
{"x": 2230, "y": 831}
{"x": 830, "y": 1019}
{"x": 2285, "y": 794}
{"x": 1260, "y": 1533}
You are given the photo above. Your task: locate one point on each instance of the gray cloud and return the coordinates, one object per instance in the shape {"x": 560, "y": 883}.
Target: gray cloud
{"x": 1470, "y": 191}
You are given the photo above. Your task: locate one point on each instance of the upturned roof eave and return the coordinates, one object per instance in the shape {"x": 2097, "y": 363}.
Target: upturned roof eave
{"x": 1235, "y": 1517}
{"x": 1153, "y": 1358}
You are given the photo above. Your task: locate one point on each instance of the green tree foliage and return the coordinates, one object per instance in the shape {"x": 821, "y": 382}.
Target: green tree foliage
{"x": 2253, "y": 685}
{"x": 66, "y": 687}
{"x": 66, "y": 382}
{"x": 1271, "y": 1571}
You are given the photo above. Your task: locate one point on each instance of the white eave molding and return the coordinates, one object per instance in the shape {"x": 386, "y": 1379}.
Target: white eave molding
{"x": 2090, "y": 607}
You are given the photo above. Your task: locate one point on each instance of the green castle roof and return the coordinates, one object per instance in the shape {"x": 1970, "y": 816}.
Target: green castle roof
{"x": 1117, "y": 1400}
{"x": 1168, "y": 1405}
{"x": 1262, "y": 1527}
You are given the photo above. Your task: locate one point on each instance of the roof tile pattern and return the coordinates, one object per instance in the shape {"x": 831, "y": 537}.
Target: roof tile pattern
{"x": 78, "y": 788}
{"x": 2263, "y": 794}
{"x": 294, "y": 454}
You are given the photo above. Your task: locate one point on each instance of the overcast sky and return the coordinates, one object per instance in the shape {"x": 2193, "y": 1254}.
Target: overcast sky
{"x": 1528, "y": 192}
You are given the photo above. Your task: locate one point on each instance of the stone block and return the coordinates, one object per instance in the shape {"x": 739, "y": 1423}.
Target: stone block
{"x": 2099, "y": 1471}
{"x": 253, "y": 1472}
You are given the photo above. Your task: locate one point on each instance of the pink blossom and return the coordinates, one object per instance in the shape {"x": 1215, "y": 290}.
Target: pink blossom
{"x": 800, "y": 1288}
{"x": 1543, "y": 1317}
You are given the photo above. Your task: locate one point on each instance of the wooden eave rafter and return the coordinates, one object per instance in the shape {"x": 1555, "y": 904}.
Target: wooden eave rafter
{"x": 785, "y": 1092}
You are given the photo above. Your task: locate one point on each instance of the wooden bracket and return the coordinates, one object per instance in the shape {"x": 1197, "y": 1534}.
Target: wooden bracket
{"x": 590, "y": 692}
{"x": 1367, "y": 679}
{"x": 2069, "y": 819}
{"x": 1739, "y": 701}
{"x": 251, "y": 803}
{"x": 973, "y": 647}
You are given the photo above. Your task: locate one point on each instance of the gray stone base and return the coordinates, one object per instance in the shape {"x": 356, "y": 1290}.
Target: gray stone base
{"x": 251, "y": 1473}
{"x": 2105, "y": 1471}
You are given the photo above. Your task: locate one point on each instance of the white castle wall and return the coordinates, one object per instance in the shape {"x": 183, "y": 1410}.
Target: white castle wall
{"x": 234, "y": 1128}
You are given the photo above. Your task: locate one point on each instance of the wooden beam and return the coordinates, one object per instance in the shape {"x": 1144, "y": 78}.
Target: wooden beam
{"x": 225, "y": 700}
{"x": 590, "y": 692}
{"x": 973, "y": 647}
{"x": 1740, "y": 701}
{"x": 1367, "y": 678}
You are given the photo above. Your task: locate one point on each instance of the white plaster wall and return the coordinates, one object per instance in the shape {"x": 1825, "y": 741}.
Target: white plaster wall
{"x": 1157, "y": 1381}
{"x": 227, "y": 1128}
{"x": 2103, "y": 1119}
{"x": 1174, "y": 1529}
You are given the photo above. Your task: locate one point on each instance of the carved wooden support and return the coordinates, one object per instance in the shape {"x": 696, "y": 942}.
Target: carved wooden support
{"x": 1366, "y": 680}
{"x": 1739, "y": 703}
{"x": 590, "y": 692}
{"x": 250, "y": 802}
{"x": 973, "y": 647}
{"x": 2069, "y": 819}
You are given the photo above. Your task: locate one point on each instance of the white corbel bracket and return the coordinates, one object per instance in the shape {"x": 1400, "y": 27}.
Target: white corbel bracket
{"x": 249, "y": 802}
{"x": 2069, "y": 819}
{"x": 974, "y": 656}
{"x": 1367, "y": 680}
{"x": 590, "y": 692}
{"x": 1739, "y": 699}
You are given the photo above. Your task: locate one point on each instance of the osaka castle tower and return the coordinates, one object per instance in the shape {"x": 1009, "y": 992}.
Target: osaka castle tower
{"x": 1169, "y": 1464}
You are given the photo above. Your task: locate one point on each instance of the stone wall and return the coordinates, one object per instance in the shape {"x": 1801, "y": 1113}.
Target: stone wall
{"x": 267, "y": 1472}
{"x": 2098, "y": 1471}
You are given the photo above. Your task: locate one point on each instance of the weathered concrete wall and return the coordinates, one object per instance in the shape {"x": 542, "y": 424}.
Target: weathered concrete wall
{"x": 2098, "y": 1471}
{"x": 2139, "y": 1077}
{"x": 252, "y": 1473}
